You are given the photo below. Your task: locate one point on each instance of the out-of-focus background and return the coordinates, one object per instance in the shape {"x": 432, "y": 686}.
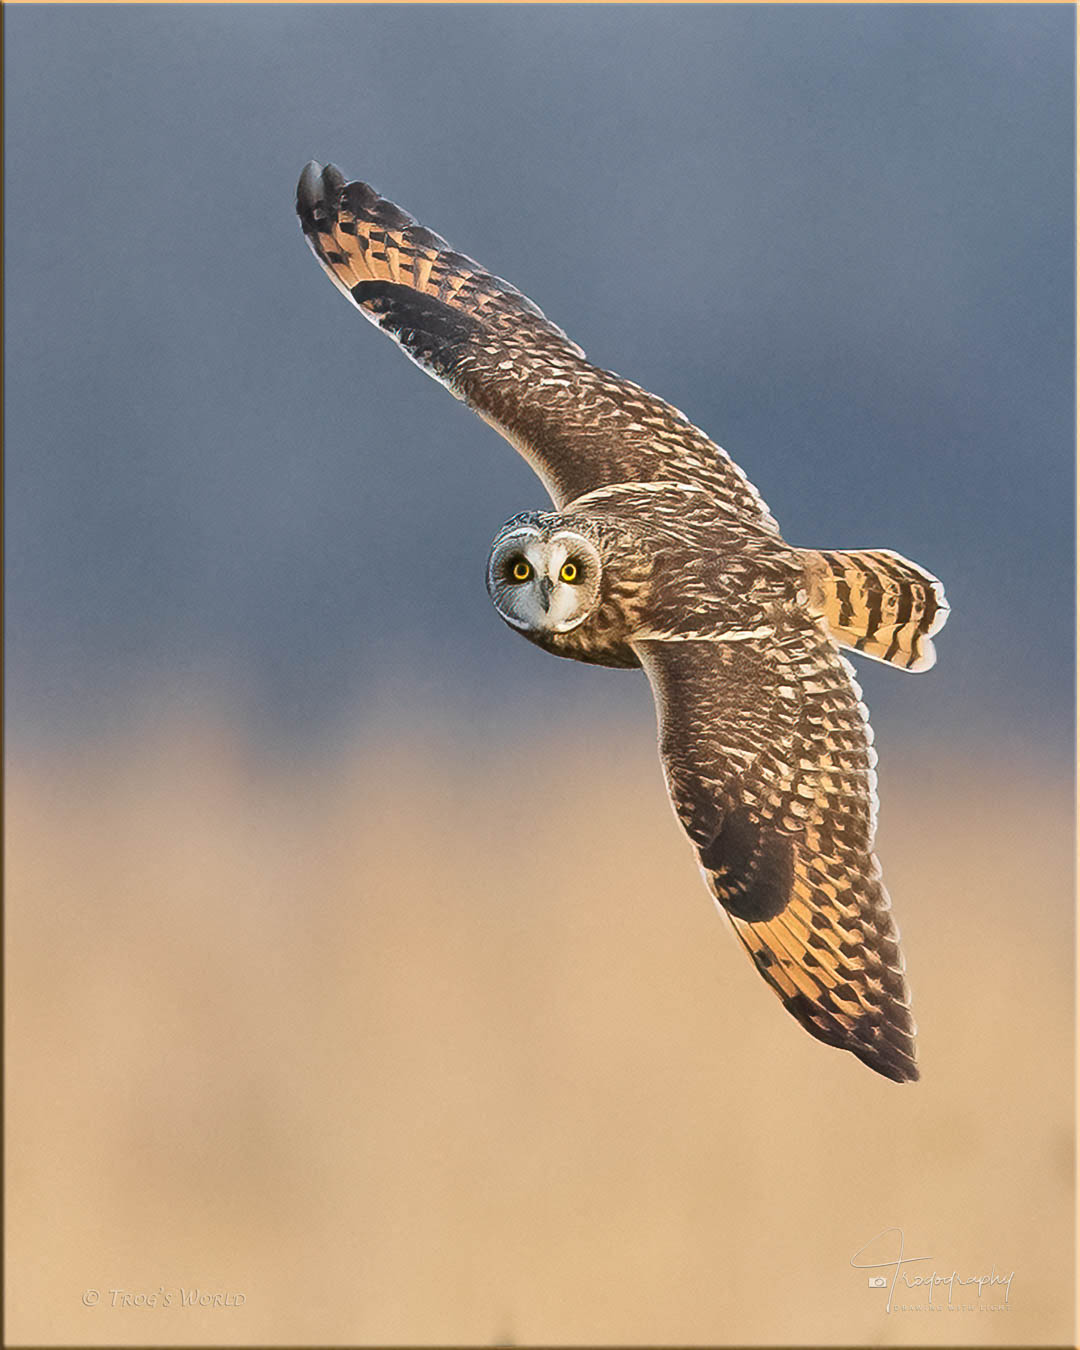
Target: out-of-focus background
{"x": 357, "y": 974}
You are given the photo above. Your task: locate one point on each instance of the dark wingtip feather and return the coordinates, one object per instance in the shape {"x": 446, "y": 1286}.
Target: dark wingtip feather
{"x": 893, "y": 1056}
{"x": 900, "y": 1068}
{"x": 316, "y": 195}
{"x": 889, "y": 1049}
{"x": 309, "y": 190}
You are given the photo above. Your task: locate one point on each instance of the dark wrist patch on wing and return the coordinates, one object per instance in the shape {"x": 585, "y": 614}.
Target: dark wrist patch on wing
{"x": 429, "y": 330}
{"x": 753, "y": 868}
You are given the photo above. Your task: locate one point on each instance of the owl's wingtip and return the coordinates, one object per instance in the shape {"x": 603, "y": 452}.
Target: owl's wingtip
{"x": 311, "y": 172}
{"x": 899, "y": 1073}
{"x": 891, "y": 1062}
{"x": 319, "y": 184}
{"x": 309, "y": 193}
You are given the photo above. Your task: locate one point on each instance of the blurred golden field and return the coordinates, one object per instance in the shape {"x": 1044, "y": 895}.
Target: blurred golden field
{"x": 414, "y": 1043}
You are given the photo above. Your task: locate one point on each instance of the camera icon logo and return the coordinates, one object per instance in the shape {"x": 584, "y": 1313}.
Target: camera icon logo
{"x": 877, "y": 1282}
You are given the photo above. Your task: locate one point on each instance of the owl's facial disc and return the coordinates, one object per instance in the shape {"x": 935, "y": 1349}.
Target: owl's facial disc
{"x": 543, "y": 581}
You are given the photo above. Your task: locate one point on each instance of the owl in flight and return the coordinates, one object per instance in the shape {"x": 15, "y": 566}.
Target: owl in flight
{"x": 661, "y": 554}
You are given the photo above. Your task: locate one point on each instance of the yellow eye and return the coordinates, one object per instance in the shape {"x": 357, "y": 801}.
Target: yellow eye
{"x": 521, "y": 571}
{"x": 569, "y": 572}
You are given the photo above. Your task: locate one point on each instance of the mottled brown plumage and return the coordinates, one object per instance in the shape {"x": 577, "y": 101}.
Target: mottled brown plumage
{"x": 679, "y": 568}
{"x": 578, "y": 426}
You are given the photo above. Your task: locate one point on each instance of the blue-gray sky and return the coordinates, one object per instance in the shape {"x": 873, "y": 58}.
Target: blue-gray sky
{"x": 840, "y": 238}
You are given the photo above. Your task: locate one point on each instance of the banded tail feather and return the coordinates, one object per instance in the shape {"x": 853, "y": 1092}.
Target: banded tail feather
{"x": 880, "y": 604}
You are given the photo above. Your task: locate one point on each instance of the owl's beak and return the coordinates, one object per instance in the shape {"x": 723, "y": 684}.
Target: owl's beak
{"x": 546, "y": 587}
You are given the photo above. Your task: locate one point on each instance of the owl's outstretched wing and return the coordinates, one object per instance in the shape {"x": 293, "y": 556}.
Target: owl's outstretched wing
{"x": 579, "y": 427}
{"x": 768, "y": 761}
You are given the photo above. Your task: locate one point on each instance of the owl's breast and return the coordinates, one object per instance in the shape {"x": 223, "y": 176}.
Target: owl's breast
{"x": 600, "y": 641}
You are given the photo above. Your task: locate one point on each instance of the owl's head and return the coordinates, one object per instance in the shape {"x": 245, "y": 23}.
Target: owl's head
{"x": 543, "y": 576}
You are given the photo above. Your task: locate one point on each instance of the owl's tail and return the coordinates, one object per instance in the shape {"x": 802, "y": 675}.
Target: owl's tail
{"x": 878, "y": 603}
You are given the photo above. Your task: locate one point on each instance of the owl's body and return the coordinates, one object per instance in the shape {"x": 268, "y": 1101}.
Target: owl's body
{"x": 673, "y": 569}
{"x": 661, "y": 554}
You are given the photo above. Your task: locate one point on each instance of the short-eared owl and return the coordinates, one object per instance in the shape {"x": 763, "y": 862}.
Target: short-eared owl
{"x": 661, "y": 554}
